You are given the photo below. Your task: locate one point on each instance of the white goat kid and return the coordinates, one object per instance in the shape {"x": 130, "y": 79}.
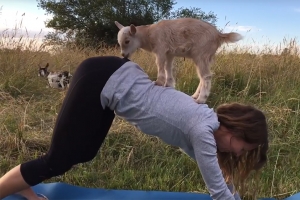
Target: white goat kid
{"x": 184, "y": 37}
{"x": 55, "y": 79}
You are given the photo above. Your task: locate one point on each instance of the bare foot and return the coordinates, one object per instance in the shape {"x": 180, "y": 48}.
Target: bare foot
{"x": 29, "y": 194}
{"x": 42, "y": 197}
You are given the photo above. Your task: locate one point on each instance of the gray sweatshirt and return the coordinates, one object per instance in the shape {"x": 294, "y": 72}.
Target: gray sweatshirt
{"x": 171, "y": 115}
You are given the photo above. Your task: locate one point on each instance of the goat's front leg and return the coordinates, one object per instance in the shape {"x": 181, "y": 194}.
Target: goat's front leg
{"x": 161, "y": 77}
{"x": 170, "y": 81}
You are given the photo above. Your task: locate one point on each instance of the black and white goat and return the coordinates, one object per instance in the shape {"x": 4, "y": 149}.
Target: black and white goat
{"x": 55, "y": 79}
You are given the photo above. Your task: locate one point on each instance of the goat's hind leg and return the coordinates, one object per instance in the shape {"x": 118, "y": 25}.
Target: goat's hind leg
{"x": 203, "y": 90}
{"x": 61, "y": 81}
{"x": 197, "y": 92}
{"x": 170, "y": 81}
{"x": 161, "y": 76}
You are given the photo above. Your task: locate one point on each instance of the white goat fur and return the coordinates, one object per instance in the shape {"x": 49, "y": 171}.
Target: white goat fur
{"x": 184, "y": 37}
{"x": 55, "y": 79}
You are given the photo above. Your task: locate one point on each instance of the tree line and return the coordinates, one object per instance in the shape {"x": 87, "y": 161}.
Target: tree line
{"x": 87, "y": 23}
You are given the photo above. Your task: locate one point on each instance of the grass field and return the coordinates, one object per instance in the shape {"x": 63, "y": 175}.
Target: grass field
{"x": 130, "y": 160}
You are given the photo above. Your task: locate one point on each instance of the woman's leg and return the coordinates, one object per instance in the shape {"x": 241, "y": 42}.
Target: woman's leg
{"x": 80, "y": 129}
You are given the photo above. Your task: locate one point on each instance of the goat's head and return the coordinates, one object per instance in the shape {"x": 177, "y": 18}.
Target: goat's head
{"x": 43, "y": 71}
{"x": 127, "y": 39}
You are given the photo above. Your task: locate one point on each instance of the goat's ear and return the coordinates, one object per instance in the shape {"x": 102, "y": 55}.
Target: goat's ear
{"x": 47, "y": 65}
{"x": 132, "y": 29}
{"x": 118, "y": 25}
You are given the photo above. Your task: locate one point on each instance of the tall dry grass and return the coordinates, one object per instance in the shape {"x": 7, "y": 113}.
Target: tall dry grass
{"x": 131, "y": 160}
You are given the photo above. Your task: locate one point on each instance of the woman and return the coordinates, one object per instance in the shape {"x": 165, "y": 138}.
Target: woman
{"x": 236, "y": 135}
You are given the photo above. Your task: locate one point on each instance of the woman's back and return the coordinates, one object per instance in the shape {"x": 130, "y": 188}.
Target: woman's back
{"x": 155, "y": 110}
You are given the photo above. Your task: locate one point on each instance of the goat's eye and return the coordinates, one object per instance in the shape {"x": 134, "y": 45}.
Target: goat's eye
{"x": 127, "y": 41}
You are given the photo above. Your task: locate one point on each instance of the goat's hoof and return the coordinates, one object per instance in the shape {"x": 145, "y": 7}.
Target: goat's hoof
{"x": 170, "y": 85}
{"x": 200, "y": 100}
{"x": 159, "y": 83}
{"x": 195, "y": 96}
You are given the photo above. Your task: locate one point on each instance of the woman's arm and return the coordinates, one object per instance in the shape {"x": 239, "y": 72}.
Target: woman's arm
{"x": 205, "y": 150}
{"x": 236, "y": 194}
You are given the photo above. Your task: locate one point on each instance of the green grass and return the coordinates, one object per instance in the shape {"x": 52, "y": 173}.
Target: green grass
{"x": 131, "y": 160}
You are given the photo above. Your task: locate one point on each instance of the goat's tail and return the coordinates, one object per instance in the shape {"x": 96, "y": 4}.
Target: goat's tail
{"x": 230, "y": 37}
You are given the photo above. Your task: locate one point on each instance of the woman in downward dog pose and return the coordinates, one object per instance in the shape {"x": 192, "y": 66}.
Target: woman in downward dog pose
{"x": 226, "y": 144}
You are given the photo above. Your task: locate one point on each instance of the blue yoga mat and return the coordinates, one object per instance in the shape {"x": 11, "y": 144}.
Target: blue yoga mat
{"x": 63, "y": 191}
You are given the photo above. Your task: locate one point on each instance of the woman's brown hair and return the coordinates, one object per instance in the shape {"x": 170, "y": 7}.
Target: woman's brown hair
{"x": 248, "y": 123}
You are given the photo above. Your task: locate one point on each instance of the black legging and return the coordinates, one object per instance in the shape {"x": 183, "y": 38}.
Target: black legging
{"x": 82, "y": 123}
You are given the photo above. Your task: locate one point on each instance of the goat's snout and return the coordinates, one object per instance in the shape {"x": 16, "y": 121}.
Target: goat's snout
{"x": 125, "y": 55}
